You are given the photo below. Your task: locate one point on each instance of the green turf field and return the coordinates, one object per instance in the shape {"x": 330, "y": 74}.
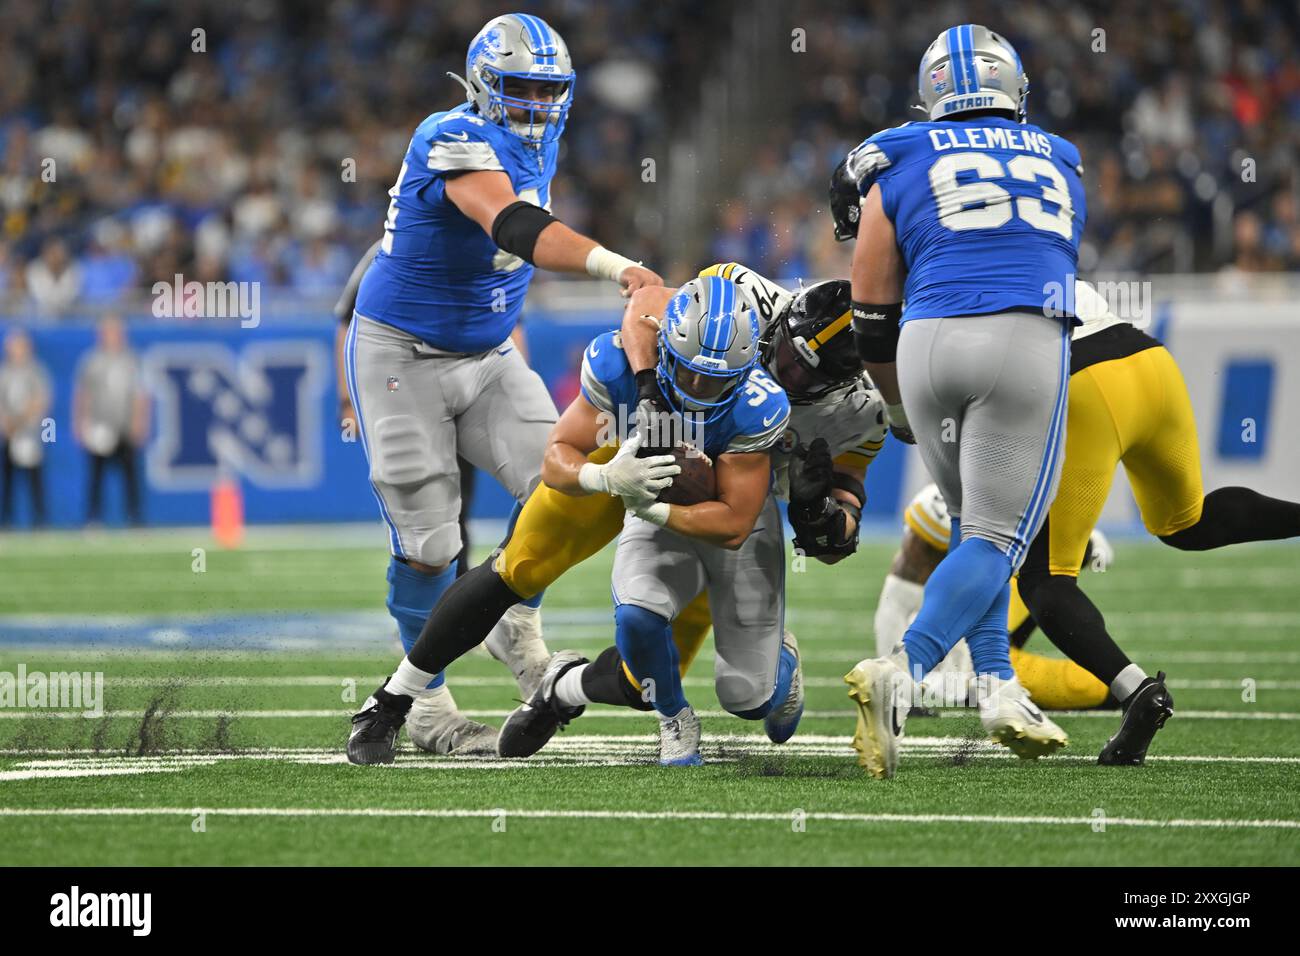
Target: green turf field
{"x": 230, "y": 756}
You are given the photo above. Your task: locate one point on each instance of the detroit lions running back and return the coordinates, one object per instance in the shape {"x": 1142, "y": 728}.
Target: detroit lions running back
{"x": 981, "y": 213}
{"x": 731, "y": 547}
{"x": 835, "y": 429}
{"x": 431, "y": 370}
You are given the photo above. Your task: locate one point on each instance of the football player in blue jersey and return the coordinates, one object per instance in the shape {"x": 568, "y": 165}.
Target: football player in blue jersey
{"x": 430, "y": 366}
{"x": 732, "y": 547}
{"x": 969, "y": 228}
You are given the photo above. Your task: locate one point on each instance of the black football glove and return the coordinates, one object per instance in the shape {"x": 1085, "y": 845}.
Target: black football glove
{"x": 810, "y": 476}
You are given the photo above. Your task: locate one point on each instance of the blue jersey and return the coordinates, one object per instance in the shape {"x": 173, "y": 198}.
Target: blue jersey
{"x": 438, "y": 275}
{"x": 754, "y": 421}
{"x": 987, "y": 213}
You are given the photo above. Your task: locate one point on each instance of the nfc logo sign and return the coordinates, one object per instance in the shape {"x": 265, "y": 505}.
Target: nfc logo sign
{"x": 254, "y": 412}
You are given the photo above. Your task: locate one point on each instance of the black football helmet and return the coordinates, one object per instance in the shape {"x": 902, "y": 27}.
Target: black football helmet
{"x": 810, "y": 350}
{"x": 845, "y": 203}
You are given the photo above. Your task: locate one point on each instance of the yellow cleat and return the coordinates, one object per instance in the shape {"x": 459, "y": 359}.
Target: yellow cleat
{"x": 874, "y": 685}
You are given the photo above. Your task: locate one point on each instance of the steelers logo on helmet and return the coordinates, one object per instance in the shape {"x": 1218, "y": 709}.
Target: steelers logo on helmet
{"x": 518, "y": 75}
{"x": 708, "y": 344}
{"x": 810, "y": 350}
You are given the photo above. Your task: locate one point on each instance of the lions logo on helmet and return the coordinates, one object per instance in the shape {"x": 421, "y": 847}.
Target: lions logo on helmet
{"x": 708, "y": 343}
{"x": 962, "y": 72}
{"x": 519, "y": 46}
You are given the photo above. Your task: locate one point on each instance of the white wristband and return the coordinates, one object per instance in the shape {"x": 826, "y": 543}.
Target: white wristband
{"x": 603, "y": 264}
{"x": 656, "y": 512}
{"x": 897, "y": 416}
{"x": 591, "y": 478}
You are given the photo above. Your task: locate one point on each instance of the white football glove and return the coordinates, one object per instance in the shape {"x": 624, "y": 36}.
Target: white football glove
{"x": 629, "y": 477}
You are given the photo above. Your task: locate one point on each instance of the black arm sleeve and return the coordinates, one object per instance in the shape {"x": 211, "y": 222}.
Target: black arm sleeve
{"x": 516, "y": 228}
{"x": 875, "y": 331}
{"x": 348, "y": 300}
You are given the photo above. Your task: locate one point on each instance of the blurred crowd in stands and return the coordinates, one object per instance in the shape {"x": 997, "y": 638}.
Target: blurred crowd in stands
{"x": 1186, "y": 112}
{"x": 256, "y": 141}
{"x": 262, "y": 147}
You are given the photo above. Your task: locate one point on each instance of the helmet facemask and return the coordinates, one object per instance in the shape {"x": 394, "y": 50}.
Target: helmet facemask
{"x": 798, "y": 369}
{"x": 542, "y": 120}
{"x": 519, "y": 47}
{"x": 693, "y": 388}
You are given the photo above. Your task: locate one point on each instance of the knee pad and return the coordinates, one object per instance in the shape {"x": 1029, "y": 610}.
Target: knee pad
{"x": 743, "y": 695}
{"x": 400, "y": 452}
{"x": 438, "y": 547}
{"x": 650, "y": 593}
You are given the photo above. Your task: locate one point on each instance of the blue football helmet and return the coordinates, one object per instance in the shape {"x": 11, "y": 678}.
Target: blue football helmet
{"x": 519, "y": 46}
{"x": 708, "y": 344}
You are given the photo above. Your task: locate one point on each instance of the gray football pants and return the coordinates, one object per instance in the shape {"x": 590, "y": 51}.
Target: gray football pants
{"x": 662, "y": 571}
{"x": 419, "y": 407}
{"x": 986, "y": 399}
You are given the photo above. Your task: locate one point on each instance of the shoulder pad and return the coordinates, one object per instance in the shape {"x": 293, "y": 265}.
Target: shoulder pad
{"x": 463, "y": 142}
{"x": 876, "y": 154}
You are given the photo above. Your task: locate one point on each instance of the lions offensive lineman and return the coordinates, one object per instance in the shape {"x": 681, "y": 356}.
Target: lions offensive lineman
{"x": 431, "y": 370}
{"x": 969, "y": 223}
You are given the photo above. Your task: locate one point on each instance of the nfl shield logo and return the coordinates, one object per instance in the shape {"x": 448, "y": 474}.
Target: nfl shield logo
{"x": 939, "y": 78}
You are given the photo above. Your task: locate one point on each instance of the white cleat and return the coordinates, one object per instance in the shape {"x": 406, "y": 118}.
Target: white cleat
{"x": 435, "y": 725}
{"x": 516, "y": 641}
{"x": 883, "y": 692}
{"x": 1014, "y": 721}
{"x": 679, "y": 739}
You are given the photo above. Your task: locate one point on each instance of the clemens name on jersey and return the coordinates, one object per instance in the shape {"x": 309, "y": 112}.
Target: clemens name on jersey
{"x": 987, "y": 213}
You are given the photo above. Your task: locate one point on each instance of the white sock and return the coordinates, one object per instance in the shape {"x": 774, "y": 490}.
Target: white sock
{"x": 408, "y": 680}
{"x": 898, "y": 604}
{"x": 568, "y": 689}
{"x": 522, "y": 613}
{"x": 1128, "y": 680}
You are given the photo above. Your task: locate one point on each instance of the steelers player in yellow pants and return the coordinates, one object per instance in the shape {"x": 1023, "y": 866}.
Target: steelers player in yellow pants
{"x": 1053, "y": 683}
{"x": 1128, "y": 405}
{"x": 556, "y": 531}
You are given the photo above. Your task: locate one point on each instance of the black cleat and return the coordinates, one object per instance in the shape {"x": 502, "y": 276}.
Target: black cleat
{"x": 1145, "y": 712}
{"x": 534, "y": 722}
{"x": 376, "y": 726}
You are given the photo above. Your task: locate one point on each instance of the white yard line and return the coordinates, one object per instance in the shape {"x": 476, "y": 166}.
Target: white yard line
{"x": 570, "y": 751}
{"x": 610, "y": 713}
{"x": 574, "y": 814}
{"x": 316, "y": 680}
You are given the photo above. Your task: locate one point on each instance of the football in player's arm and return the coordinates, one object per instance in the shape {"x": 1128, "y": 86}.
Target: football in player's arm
{"x": 742, "y": 477}
{"x": 826, "y": 496}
